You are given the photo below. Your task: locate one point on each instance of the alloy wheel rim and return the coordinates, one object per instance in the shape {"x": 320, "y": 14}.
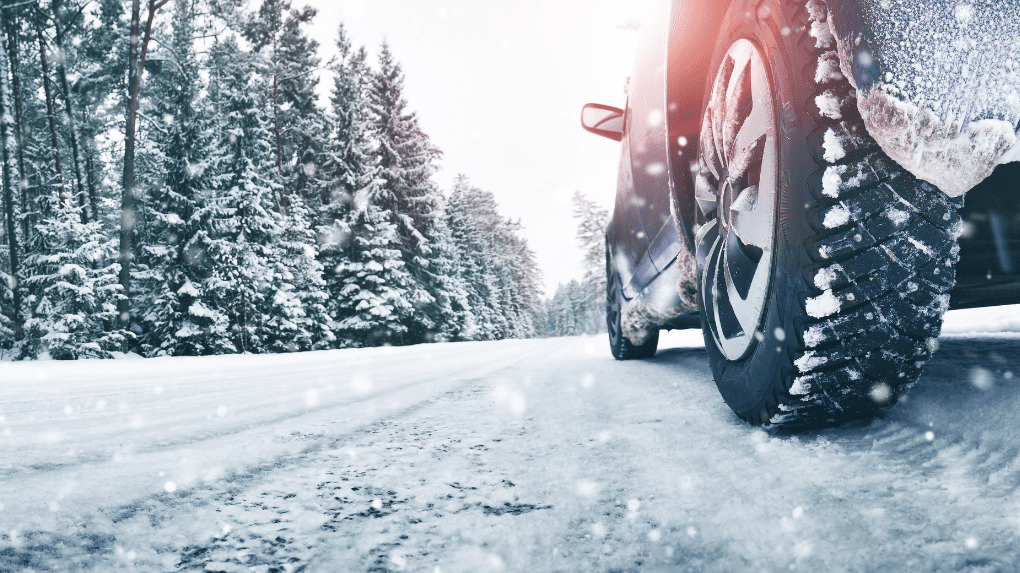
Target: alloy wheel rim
{"x": 736, "y": 189}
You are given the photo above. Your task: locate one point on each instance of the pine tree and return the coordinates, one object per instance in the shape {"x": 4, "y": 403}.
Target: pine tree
{"x": 299, "y": 275}
{"x": 591, "y": 237}
{"x": 6, "y": 306}
{"x": 179, "y": 317}
{"x": 497, "y": 266}
{"x": 373, "y": 306}
{"x": 346, "y": 167}
{"x": 99, "y": 77}
{"x": 13, "y": 251}
{"x": 347, "y": 170}
{"x": 289, "y": 60}
{"x": 452, "y": 300}
{"x": 473, "y": 218}
{"x": 525, "y": 291}
{"x": 248, "y": 191}
{"x": 406, "y": 160}
{"x": 72, "y": 281}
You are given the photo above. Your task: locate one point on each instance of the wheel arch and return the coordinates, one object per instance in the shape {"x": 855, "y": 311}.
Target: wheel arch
{"x": 693, "y": 30}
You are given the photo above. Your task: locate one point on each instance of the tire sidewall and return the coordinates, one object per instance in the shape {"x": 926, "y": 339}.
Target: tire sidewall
{"x": 751, "y": 385}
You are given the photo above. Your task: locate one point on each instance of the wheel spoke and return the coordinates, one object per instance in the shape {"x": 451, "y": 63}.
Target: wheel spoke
{"x": 745, "y": 312}
{"x": 708, "y": 262}
{"x": 759, "y": 120}
{"x": 709, "y": 158}
{"x": 739, "y": 104}
{"x": 747, "y": 223}
{"x": 727, "y": 321}
{"x": 745, "y": 160}
{"x": 741, "y": 263}
{"x": 752, "y": 227}
{"x": 704, "y": 241}
{"x": 718, "y": 105}
{"x": 754, "y": 220}
{"x": 745, "y": 202}
{"x": 704, "y": 192}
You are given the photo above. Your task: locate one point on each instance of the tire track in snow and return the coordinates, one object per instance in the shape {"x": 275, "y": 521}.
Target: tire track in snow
{"x": 81, "y": 540}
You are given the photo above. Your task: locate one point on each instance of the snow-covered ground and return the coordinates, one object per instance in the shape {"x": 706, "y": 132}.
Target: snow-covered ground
{"x": 541, "y": 455}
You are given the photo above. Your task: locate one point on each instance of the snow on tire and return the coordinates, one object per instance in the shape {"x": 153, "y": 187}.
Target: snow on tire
{"x": 865, "y": 252}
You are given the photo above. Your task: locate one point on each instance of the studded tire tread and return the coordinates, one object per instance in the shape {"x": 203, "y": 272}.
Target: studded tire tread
{"x": 870, "y": 250}
{"x": 889, "y": 266}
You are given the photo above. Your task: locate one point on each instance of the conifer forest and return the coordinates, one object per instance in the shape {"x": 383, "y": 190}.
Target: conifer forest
{"x": 174, "y": 185}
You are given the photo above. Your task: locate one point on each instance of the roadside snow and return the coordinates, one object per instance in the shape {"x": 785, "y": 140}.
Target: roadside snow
{"x": 995, "y": 319}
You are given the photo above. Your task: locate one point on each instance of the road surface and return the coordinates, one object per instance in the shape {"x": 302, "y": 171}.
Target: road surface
{"x": 540, "y": 455}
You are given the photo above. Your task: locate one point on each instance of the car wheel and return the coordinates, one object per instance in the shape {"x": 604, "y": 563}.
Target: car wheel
{"x": 824, "y": 268}
{"x": 619, "y": 345}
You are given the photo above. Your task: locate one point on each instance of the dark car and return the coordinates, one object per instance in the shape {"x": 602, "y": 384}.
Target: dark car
{"x": 792, "y": 182}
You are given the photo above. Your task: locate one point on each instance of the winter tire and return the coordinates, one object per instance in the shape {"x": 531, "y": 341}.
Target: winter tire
{"x": 824, "y": 268}
{"x": 622, "y": 348}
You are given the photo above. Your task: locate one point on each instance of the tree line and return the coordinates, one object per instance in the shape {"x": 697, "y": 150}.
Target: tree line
{"x": 172, "y": 186}
{"x": 579, "y": 307}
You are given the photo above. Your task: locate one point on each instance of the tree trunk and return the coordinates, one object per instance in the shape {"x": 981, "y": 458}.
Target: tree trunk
{"x": 69, "y": 115}
{"x": 136, "y": 65}
{"x": 90, "y": 150}
{"x": 13, "y": 49}
{"x": 44, "y": 62}
{"x": 9, "y": 204}
{"x": 127, "y": 219}
{"x": 279, "y": 138}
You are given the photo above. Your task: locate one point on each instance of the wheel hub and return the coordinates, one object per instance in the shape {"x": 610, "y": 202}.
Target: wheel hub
{"x": 736, "y": 192}
{"x": 725, "y": 195}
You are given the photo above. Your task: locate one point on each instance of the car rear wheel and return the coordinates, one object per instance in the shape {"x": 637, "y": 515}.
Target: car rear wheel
{"x": 619, "y": 345}
{"x": 824, "y": 268}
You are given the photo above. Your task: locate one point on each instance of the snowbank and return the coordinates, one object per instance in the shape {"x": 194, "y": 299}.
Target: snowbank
{"x": 995, "y": 319}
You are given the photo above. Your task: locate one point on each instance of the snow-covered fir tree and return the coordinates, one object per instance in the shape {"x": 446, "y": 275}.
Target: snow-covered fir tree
{"x": 570, "y": 313}
{"x": 471, "y": 215}
{"x": 289, "y": 60}
{"x": 7, "y": 325}
{"x": 73, "y": 290}
{"x": 249, "y": 193}
{"x": 591, "y": 238}
{"x": 180, "y": 316}
{"x": 373, "y": 305}
{"x": 453, "y": 308}
{"x": 300, "y": 283}
{"x": 406, "y": 160}
{"x": 496, "y": 265}
{"x": 346, "y": 170}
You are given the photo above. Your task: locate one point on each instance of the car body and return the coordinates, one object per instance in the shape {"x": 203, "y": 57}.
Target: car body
{"x": 651, "y": 234}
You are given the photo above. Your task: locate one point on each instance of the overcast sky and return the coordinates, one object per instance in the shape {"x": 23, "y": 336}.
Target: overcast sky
{"x": 499, "y": 85}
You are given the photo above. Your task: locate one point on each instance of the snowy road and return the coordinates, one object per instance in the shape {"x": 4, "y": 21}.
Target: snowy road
{"x": 513, "y": 456}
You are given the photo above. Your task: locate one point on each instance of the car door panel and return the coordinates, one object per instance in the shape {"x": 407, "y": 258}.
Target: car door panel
{"x": 647, "y": 121}
{"x": 627, "y": 235}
